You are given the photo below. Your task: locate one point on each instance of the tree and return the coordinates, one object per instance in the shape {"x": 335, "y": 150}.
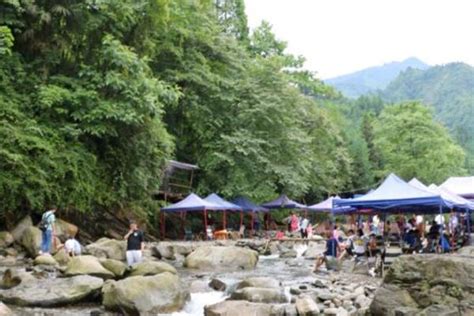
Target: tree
{"x": 412, "y": 144}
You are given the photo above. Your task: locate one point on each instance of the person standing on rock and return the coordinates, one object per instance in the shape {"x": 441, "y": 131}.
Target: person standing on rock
{"x": 48, "y": 230}
{"x": 135, "y": 244}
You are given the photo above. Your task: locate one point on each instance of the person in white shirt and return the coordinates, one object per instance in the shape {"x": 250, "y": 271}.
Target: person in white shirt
{"x": 72, "y": 247}
{"x": 304, "y": 227}
{"x": 440, "y": 219}
{"x": 453, "y": 222}
{"x": 375, "y": 224}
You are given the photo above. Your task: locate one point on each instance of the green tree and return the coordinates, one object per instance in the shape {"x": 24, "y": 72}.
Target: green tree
{"x": 412, "y": 144}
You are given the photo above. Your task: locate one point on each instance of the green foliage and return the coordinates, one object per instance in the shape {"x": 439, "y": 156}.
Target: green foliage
{"x": 449, "y": 89}
{"x": 413, "y": 145}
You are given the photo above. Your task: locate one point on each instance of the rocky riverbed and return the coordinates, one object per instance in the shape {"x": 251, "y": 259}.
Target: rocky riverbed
{"x": 225, "y": 278}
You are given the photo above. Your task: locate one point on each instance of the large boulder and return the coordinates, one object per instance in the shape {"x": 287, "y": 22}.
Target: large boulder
{"x": 89, "y": 265}
{"x": 62, "y": 257}
{"x": 31, "y": 240}
{"x": 146, "y": 295}
{"x": 19, "y": 229}
{"x": 65, "y": 229}
{"x": 6, "y": 239}
{"x": 306, "y": 306}
{"x": 151, "y": 268}
{"x": 163, "y": 251}
{"x": 52, "y": 291}
{"x": 238, "y": 308}
{"x": 108, "y": 248}
{"x": 213, "y": 257}
{"x": 422, "y": 281}
{"x": 5, "y": 311}
{"x": 260, "y": 295}
{"x": 261, "y": 282}
{"x": 118, "y": 268}
{"x": 46, "y": 260}
{"x": 12, "y": 278}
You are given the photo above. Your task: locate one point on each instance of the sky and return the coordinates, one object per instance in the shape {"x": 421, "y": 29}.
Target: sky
{"x": 342, "y": 36}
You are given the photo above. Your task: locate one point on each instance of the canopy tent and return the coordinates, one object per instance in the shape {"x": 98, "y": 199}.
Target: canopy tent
{"x": 283, "y": 202}
{"x": 324, "y": 206}
{"x": 456, "y": 201}
{"x": 191, "y": 203}
{"x": 396, "y": 194}
{"x": 226, "y": 206}
{"x": 247, "y": 205}
{"x": 462, "y": 186}
{"x": 250, "y": 207}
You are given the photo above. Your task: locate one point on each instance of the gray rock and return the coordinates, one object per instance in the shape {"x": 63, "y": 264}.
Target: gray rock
{"x": 260, "y": 295}
{"x": 262, "y": 282}
{"x": 163, "y": 251}
{"x": 118, "y": 268}
{"x": 326, "y": 296}
{"x": 151, "y": 268}
{"x": 199, "y": 286}
{"x": 107, "y": 248}
{"x": 406, "y": 311}
{"x": 20, "y": 228}
{"x": 87, "y": 265}
{"x": 52, "y": 291}
{"x": 239, "y": 308}
{"x": 145, "y": 295}
{"x": 217, "y": 285}
{"x": 388, "y": 297}
{"x": 6, "y": 239}
{"x": 221, "y": 258}
{"x": 5, "y": 311}
{"x": 362, "y": 301}
{"x": 440, "y": 310}
{"x": 45, "y": 260}
{"x": 31, "y": 240}
{"x": 306, "y": 306}
{"x": 288, "y": 253}
{"x": 335, "y": 311}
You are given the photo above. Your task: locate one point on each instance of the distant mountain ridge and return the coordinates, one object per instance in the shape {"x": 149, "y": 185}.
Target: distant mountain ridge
{"x": 374, "y": 78}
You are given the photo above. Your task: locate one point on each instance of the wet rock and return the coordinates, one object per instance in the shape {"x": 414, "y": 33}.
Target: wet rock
{"x": 89, "y": 265}
{"x": 326, "y": 296}
{"x": 5, "y": 311}
{"x": 47, "y": 260}
{"x": 163, "y": 251}
{"x": 260, "y": 295}
{"x": 221, "y": 258}
{"x": 52, "y": 291}
{"x": 145, "y": 295}
{"x": 440, "y": 310}
{"x": 12, "y": 278}
{"x": 118, "y": 268}
{"x": 20, "y": 228}
{"x": 238, "y": 308}
{"x": 406, "y": 311}
{"x": 199, "y": 286}
{"x": 6, "y": 239}
{"x": 306, "y": 306}
{"x": 31, "y": 240}
{"x": 108, "y": 248}
{"x": 336, "y": 312}
{"x": 319, "y": 284}
{"x": 65, "y": 229}
{"x": 217, "y": 285}
{"x": 261, "y": 282}
{"x": 62, "y": 257}
{"x": 288, "y": 253}
{"x": 151, "y": 268}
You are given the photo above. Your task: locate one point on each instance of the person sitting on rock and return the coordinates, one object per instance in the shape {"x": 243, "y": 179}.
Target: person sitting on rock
{"x": 332, "y": 248}
{"x": 348, "y": 246}
{"x": 360, "y": 244}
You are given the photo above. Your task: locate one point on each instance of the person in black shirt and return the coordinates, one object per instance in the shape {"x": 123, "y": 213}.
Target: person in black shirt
{"x": 135, "y": 244}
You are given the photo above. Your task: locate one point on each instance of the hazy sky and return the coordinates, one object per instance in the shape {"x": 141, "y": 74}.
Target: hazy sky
{"x": 341, "y": 36}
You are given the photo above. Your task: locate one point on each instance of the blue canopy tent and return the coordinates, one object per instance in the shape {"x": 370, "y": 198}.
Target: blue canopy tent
{"x": 226, "y": 206}
{"x": 284, "y": 202}
{"x": 394, "y": 194}
{"x": 248, "y": 206}
{"x": 189, "y": 204}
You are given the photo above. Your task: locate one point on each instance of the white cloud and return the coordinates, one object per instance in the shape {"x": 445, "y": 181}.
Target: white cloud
{"x": 342, "y": 36}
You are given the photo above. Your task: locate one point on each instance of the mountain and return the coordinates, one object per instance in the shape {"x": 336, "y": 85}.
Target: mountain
{"x": 449, "y": 89}
{"x": 374, "y": 78}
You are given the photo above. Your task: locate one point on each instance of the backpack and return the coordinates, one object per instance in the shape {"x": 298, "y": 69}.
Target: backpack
{"x": 43, "y": 224}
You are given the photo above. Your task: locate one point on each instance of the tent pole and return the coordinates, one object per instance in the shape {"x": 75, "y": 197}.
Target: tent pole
{"x": 468, "y": 222}
{"x": 181, "y": 215}
{"x": 241, "y": 218}
{"x": 205, "y": 224}
{"x": 251, "y": 223}
{"x": 224, "y": 220}
{"x": 162, "y": 222}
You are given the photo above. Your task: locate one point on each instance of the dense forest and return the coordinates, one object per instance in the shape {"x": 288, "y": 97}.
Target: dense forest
{"x": 449, "y": 89}
{"x": 96, "y": 96}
